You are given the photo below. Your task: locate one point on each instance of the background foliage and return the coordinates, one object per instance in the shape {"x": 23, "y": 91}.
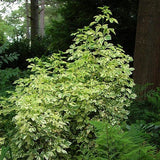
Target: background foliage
{"x": 76, "y": 14}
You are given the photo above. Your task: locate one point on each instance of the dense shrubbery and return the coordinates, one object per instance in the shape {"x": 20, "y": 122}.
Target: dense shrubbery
{"x": 51, "y": 110}
{"x": 5, "y": 57}
{"x": 20, "y": 50}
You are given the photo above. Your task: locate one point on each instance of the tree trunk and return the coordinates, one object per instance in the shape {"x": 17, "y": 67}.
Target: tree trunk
{"x": 41, "y": 30}
{"x": 27, "y": 21}
{"x": 34, "y": 19}
{"x": 147, "y": 48}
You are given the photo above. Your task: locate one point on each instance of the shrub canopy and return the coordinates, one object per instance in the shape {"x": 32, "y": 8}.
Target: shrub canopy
{"x": 52, "y": 108}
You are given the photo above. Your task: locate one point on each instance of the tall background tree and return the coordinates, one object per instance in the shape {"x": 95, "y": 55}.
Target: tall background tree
{"x": 147, "y": 48}
{"x": 34, "y": 19}
{"x": 27, "y": 19}
{"x": 42, "y": 15}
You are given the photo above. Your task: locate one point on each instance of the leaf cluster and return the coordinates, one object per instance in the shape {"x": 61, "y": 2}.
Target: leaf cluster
{"x": 6, "y": 58}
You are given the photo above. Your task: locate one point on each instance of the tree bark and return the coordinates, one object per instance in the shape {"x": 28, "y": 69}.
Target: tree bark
{"x": 41, "y": 29}
{"x": 34, "y": 19}
{"x": 147, "y": 48}
{"x": 27, "y": 20}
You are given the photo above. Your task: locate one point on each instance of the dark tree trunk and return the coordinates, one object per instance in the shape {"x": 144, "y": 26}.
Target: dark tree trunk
{"x": 147, "y": 48}
{"x": 41, "y": 29}
{"x": 34, "y": 19}
{"x": 27, "y": 20}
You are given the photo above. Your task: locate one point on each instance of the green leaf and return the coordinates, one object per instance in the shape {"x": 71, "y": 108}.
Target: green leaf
{"x": 108, "y": 37}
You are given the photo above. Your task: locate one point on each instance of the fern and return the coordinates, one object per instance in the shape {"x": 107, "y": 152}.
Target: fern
{"x": 112, "y": 143}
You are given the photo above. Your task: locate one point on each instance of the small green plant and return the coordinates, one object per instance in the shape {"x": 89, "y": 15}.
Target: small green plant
{"x": 4, "y": 151}
{"x": 145, "y": 112}
{"x": 7, "y": 77}
{"x": 53, "y": 106}
{"x": 146, "y": 107}
{"x": 6, "y": 58}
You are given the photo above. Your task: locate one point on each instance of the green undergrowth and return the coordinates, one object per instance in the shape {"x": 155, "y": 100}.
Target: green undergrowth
{"x": 145, "y": 111}
{"x": 113, "y": 143}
